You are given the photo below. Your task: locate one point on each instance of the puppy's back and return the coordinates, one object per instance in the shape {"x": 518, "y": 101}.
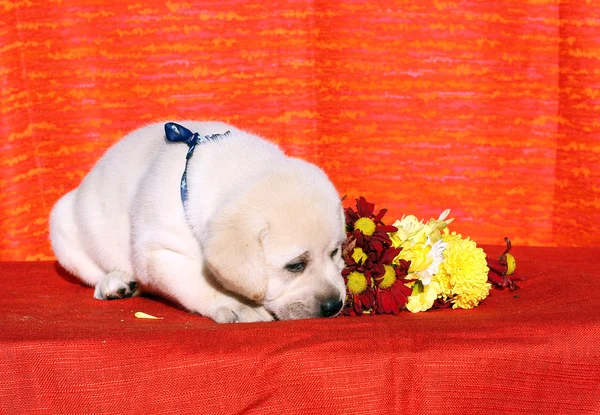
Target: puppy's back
{"x": 96, "y": 214}
{"x": 137, "y": 180}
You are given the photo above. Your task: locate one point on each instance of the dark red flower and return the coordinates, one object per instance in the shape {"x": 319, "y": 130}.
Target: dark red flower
{"x": 393, "y": 299}
{"x": 360, "y": 297}
{"x": 501, "y": 273}
{"x": 364, "y": 221}
{"x": 391, "y": 293}
{"x": 440, "y": 304}
{"x": 373, "y": 283}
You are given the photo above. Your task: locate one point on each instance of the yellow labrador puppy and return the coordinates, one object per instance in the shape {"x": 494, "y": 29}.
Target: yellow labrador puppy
{"x": 227, "y": 226}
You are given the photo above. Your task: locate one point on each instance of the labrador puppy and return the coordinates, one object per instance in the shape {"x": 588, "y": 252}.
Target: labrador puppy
{"x": 238, "y": 232}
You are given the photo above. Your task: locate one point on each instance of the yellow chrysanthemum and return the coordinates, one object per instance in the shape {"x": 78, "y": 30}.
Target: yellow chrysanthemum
{"x": 417, "y": 240}
{"x": 511, "y": 264}
{"x": 418, "y": 255}
{"x": 389, "y": 277}
{"x": 359, "y": 256}
{"x": 409, "y": 230}
{"x": 423, "y": 296}
{"x": 463, "y": 274}
{"x": 412, "y": 230}
{"x": 366, "y": 226}
{"x": 357, "y": 282}
{"x": 436, "y": 226}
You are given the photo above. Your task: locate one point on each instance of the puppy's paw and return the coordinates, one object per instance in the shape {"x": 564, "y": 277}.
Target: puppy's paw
{"x": 241, "y": 313}
{"x": 115, "y": 285}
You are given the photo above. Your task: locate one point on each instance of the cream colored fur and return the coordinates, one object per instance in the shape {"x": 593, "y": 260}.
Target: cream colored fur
{"x": 251, "y": 211}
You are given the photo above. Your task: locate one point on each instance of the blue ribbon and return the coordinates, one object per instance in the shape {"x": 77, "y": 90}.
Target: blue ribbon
{"x": 176, "y": 133}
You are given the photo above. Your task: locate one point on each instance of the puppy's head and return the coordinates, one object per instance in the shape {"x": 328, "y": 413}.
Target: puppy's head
{"x": 279, "y": 244}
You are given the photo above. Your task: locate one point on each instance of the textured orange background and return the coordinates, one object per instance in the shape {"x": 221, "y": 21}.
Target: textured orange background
{"x": 489, "y": 108}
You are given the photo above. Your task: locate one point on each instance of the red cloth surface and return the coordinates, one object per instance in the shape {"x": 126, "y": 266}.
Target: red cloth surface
{"x": 536, "y": 350}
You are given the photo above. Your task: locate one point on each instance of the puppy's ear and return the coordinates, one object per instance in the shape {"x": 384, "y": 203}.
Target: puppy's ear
{"x": 235, "y": 257}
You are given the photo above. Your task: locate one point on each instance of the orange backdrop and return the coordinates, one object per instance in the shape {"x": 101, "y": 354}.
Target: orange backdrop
{"x": 491, "y": 109}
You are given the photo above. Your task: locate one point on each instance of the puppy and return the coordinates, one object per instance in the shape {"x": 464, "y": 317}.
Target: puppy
{"x": 246, "y": 234}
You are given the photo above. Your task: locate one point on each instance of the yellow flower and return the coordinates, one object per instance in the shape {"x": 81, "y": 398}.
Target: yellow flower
{"x": 366, "y": 226}
{"x": 435, "y": 257}
{"x": 409, "y": 229}
{"x": 418, "y": 255}
{"x": 511, "y": 264}
{"x": 463, "y": 273}
{"x": 417, "y": 240}
{"x": 435, "y": 226}
{"x": 357, "y": 282}
{"x": 423, "y": 296}
{"x": 359, "y": 256}
{"x": 388, "y": 278}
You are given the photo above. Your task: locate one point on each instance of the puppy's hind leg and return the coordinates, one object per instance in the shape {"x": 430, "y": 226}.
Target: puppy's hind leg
{"x": 115, "y": 285}
{"x": 67, "y": 243}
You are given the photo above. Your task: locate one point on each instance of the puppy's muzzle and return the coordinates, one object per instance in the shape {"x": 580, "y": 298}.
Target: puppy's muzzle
{"x": 331, "y": 307}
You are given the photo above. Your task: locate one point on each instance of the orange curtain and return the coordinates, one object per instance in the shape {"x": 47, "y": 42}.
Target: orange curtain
{"x": 491, "y": 109}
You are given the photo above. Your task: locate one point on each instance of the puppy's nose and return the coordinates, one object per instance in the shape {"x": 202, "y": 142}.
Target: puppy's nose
{"x": 331, "y": 307}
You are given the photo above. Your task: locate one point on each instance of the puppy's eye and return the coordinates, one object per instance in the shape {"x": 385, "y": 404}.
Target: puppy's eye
{"x": 296, "y": 266}
{"x": 334, "y": 253}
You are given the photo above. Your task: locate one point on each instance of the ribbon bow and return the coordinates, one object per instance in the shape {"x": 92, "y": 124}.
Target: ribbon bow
{"x": 176, "y": 133}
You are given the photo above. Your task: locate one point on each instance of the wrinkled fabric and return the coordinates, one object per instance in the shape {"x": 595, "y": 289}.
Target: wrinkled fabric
{"x": 532, "y": 351}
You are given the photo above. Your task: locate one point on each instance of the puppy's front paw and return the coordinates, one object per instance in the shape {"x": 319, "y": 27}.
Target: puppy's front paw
{"x": 115, "y": 285}
{"x": 241, "y": 313}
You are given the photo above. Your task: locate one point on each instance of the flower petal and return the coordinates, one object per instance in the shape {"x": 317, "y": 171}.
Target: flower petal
{"x": 380, "y": 215}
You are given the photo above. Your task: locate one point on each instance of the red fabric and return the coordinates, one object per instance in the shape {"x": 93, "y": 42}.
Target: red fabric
{"x": 536, "y": 350}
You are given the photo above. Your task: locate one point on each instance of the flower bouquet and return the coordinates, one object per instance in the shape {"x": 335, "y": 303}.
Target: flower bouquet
{"x": 415, "y": 265}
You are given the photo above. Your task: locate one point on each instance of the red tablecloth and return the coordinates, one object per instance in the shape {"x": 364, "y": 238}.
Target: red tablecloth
{"x": 536, "y": 350}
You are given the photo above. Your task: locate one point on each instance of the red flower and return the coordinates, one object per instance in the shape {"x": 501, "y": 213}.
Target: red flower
{"x": 359, "y": 304}
{"x": 440, "y": 304}
{"x": 373, "y": 283}
{"x": 501, "y": 273}
{"x": 360, "y": 297}
{"x": 363, "y": 221}
{"x": 393, "y": 299}
{"x": 391, "y": 293}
